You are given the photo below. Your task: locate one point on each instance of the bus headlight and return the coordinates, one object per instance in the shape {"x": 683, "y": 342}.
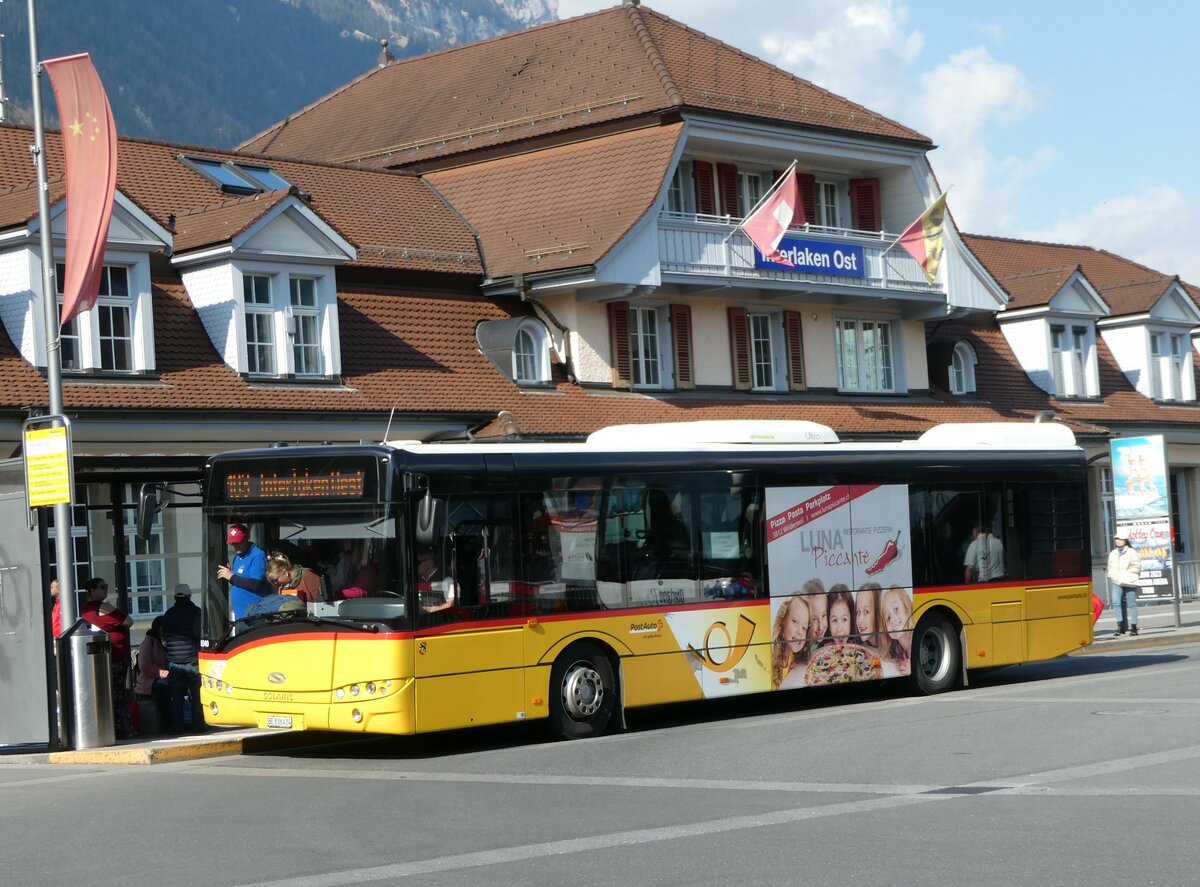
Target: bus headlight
{"x": 212, "y": 706}
{"x": 340, "y": 693}
{"x": 357, "y": 715}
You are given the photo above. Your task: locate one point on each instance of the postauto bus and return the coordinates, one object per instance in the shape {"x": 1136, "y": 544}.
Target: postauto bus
{"x": 482, "y": 583}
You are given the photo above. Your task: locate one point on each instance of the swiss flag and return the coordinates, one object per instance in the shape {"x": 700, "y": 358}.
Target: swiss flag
{"x": 766, "y": 225}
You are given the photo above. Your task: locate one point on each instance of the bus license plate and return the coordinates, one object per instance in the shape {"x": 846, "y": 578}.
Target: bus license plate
{"x": 283, "y": 722}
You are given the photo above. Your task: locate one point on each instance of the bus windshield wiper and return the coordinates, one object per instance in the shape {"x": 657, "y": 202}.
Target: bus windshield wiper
{"x": 370, "y": 627}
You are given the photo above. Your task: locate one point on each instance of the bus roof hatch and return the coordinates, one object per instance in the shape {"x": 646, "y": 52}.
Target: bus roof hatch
{"x": 732, "y": 431}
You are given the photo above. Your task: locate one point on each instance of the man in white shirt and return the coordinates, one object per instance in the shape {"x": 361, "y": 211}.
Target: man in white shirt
{"x": 984, "y": 560}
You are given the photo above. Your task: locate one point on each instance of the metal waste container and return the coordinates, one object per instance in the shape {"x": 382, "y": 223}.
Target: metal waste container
{"x": 85, "y": 687}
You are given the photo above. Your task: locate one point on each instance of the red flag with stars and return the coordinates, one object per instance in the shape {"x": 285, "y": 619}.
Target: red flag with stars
{"x": 90, "y": 151}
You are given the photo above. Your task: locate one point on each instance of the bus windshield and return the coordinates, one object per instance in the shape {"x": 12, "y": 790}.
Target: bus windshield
{"x": 323, "y": 564}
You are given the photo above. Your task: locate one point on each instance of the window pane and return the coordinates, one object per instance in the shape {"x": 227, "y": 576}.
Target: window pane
{"x": 303, "y": 292}
{"x": 643, "y": 342}
{"x": 847, "y": 351}
{"x": 264, "y": 177}
{"x": 256, "y": 289}
{"x": 116, "y": 339}
{"x": 260, "y": 351}
{"x": 524, "y": 359}
{"x": 306, "y": 349}
{"x": 760, "y": 339}
{"x": 827, "y": 214}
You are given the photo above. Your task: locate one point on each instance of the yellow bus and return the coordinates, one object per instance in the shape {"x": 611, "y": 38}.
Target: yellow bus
{"x": 444, "y": 585}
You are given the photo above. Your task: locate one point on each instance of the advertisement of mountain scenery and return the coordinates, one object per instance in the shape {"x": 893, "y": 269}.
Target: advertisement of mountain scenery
{"x": 1142, "y": 507}
{"x": 840, "y": 561}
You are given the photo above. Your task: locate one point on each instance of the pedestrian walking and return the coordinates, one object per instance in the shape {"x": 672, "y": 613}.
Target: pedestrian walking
{"x": 1124, "y": 570}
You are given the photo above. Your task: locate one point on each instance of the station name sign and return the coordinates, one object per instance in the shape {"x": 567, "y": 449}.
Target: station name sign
{"x": 817, "y": 257}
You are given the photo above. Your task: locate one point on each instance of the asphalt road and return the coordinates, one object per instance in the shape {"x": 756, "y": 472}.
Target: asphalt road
{"x": 1081, "y": 771}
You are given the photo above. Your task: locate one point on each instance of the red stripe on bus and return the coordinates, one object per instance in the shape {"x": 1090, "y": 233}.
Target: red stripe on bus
{"x": 1034, "y": 583}
{"x": 310, "y": 636}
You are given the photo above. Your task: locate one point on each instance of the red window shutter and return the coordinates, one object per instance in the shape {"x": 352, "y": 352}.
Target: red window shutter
{"x": 808, "y": 198}
{"x": 618, "y": 333}
{"x": 728, "y": 180}
{"x": 793, "y": 336}
{"x": 739, "y": 344}
{"x": 864, "y": 205}
{"x": 702, "y": 177}
{"x": 681, "y": 342}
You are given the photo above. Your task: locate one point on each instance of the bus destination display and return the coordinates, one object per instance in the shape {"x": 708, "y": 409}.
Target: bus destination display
{"x": 299, "y": 483}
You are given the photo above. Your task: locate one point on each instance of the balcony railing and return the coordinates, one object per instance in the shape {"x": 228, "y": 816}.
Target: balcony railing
{"x": 696, "y": 246}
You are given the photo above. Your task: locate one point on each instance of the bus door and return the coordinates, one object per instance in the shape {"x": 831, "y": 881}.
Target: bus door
{"x": 470, "y": 655}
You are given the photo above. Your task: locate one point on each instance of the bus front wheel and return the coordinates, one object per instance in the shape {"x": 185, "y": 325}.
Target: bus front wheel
{"x": 937, "y": 655}
{"x": 583, "y": 692}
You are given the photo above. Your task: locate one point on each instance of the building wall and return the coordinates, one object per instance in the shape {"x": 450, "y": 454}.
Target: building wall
{"x": 1027, "y": 339}
{"x": 1130, "y": 343}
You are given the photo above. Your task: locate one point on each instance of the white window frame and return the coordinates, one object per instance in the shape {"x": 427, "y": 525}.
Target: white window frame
{"x": 646, "y": 346}
{"x": 752, "y": 185}
{"x": 829, "y": 204}
{"x": 304, "y": 323}
{"x": 287, "y": 322}
{"x": 677, "y": 194}
{"x": 1169, "y": 364}
{"x": 82, "y": 333}
{"x": 1072, "y": 361}
{"x": 260, "y": 311}
{"x": 532, "y": 368}
{"x": 145, "y": 565}
{"x": 1108, "y": 519}
{"x": 962, "y": 369}
{"x": 855, "y": 375}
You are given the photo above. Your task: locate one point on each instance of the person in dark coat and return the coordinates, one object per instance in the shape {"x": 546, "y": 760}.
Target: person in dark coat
{"x": 181, "y": 637}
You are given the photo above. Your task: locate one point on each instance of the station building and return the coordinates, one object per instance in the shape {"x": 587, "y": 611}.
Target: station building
{"x": 535, "y": 236}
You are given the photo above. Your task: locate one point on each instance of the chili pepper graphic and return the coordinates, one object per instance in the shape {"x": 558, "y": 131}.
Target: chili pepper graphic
{"x": 890, "y": 552}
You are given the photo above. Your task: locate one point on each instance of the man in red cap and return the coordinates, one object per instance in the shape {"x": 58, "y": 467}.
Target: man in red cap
{"x": 247, "y": 574}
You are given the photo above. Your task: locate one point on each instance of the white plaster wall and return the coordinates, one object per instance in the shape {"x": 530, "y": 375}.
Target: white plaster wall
{"x": 1030, "y": 343}
{"x": 211, "y": 289}
{"x": 286, "y": 236}
{"x": 17, "y": 303}
{"x": 901, "y": 197}
{"x": 916, "y": 359}
{"x": 590, "y": 343}
{"x": 711, "y": 356}
{"x": 1131, "y": 350}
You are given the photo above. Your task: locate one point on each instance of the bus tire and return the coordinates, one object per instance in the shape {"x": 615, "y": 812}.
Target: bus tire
{"x": 936, "y": 656}
{"x": 583, "y": 692}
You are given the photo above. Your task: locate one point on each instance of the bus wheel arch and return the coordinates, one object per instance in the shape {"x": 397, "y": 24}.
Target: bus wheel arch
{"x": 938, "y": 663}
{"x": 584, "y": 693}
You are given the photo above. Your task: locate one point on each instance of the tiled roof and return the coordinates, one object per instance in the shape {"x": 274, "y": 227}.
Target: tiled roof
{"x": 394, "y": 219}
{"x": 1032, "y": 288}
{"x": 531, "y": 214}
{"x": 1013, "y": 262}
{"x": 409, "y": 350}
{"x": 616, "y": 64}
{"x": 1003, "y": 384}
{"x": 209, "y": 225}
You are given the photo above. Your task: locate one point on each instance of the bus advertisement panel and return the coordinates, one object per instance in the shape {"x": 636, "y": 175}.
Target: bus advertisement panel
{"x": 844, "y": 610}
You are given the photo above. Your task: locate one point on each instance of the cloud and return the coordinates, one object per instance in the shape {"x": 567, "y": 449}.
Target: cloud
{"x": 1156, "y": 226}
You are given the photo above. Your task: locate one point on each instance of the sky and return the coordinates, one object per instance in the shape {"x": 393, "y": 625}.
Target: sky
{"x": 1061, "y": 120}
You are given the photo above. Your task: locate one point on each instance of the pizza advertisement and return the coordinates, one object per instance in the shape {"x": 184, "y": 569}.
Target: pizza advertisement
{"x": 840, "y": 564}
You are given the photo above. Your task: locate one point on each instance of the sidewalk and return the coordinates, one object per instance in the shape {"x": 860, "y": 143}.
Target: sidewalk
{"x": 1156, "y": 628}
{"x": 217, "y": 742}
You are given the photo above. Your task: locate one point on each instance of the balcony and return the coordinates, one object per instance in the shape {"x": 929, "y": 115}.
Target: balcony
{"x": 693, "y": 250}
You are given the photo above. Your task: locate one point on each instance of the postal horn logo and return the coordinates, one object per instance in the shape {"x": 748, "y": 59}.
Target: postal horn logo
{"x": 276, "y": 677}
{"x": 729, "y": 651}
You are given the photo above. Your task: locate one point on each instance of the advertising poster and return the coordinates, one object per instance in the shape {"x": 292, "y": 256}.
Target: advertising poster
{"x": 1142, "y": 507}
{"x": 840, "y": 563}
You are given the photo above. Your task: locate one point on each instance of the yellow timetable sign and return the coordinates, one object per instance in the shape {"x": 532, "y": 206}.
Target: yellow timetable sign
{"x": 47, "y": 466}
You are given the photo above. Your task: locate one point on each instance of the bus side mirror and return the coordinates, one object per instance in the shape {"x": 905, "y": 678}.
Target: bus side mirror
{"x": 148, "y": 508}
{"x": 429, "y": 518}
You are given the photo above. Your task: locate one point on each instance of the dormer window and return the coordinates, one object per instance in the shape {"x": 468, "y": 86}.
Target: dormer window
{"x": 531, "y": 354}
{"x": 102, "y": 338}
{"x": 1168, "y": 363}
{"x": 284, "y": 336}
{"x": 962, "y": 369}
{"x": 1071, "y": 348}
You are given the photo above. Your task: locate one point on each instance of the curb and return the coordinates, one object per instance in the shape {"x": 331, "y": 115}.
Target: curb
{"x": 203, "y": 747}
{"x": 1139, "y": 644}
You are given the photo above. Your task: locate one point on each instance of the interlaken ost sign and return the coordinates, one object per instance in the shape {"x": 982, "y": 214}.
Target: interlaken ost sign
{"x": 816, "y": 257}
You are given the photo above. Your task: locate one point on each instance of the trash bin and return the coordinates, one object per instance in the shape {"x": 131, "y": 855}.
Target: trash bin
{"x": 85, "y": 687}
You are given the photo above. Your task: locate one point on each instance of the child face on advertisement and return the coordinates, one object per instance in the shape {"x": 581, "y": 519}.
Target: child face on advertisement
{"x": 839, "y": 620}
{"x": 864, "y": 615}
{"x": 819, "y": 621}
{"x": 795, "y": 625}
{"x": 895, "y": 612}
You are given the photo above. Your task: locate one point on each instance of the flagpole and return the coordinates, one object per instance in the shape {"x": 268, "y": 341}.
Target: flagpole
{"x": 63, "y": 555}
{"x": 779, "y": 181}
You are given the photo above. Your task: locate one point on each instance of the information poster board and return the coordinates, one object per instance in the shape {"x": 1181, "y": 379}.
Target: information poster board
{"x": 1141, "y": 500}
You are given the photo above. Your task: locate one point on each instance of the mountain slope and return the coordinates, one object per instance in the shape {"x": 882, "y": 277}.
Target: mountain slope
{"x": 214, "y": 72}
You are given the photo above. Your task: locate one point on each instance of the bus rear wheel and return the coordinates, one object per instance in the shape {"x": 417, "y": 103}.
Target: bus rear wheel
{"x": 937, "y": 656}
{"x": 583, "y": 692}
